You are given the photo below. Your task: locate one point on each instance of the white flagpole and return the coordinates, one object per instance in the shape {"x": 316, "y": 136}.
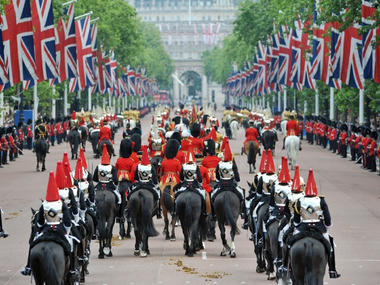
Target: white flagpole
{"x": 361, "y": 106}
{"x": 316, "y": 102}
{"x": 65, "y": 100}
{"x": 332, "y": 104}
{"x": 1, "y": 108}
{"x": 109, "y": 100}
{"x": 279, "y": 101}
{"x": 53, "y": 103}
{"x": 89, "y": 99}
{"x": 35, "y": 100}
{"x": 84, "y": 15}
{"x": 285, "y": 97}
{"x": 69, "y": 2}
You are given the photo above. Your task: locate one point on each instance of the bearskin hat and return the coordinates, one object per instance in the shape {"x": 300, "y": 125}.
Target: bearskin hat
{"x": 171, "y": 148}
{"x": 334, "y": 124}
{"x": 136, "y": 131}
{"x": 51, "y": 121}
{"x": 195, "y": 130}
{"x": 367, "y": 132}
{"x": 210, "y": 149}
{"x": 125, "y": 148}
{"x": 9, "y": 130}
{"x": 186, "y": 122}
{"x": 19, "y": 125}
{"x": 137, "y": 141}
{"x": 374, "y": 135}
{"x": 29, "y": 121}
{"x": 58, "y": 120}
{"x": 176, "y": 136}
{"x": 177, "y": 120}
{"x": 354, "y": 129}
{"x": 38, "y": 122}
{"x": 204, "y": 118}
{"x": 181, "y": 106}
{"x": 46, "y": 119}
{"x": 344, "y": 127}
{"x": 328, "y": 122}
{"x": 2, "y": 131}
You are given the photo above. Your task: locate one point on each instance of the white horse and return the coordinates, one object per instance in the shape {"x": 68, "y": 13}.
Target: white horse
{"x": 292, "y": 144}
{"x": 234, "y": 125}
{"x": 283, "y": 127}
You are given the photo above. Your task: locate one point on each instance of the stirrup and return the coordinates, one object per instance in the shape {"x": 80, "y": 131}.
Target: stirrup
{"x": 282, "y": 271}
{"x": 334, "y": 274}
{"x": 27, "y": 271}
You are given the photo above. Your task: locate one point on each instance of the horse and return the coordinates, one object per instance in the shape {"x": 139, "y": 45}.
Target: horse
{"x": 167, "y": 205}
{"x": 271, "y": 246}
{"x": 292, "y": 144}
{"x": 90, "y": 230}
{"x": 227, "y": 128}
{"x": 105, "y": 212}
{"x": 234, "y": 125}
{"x": 109, "y": 146}
{"x": 74, "y": 139}
{"x": 308, "y": 259}
{"x": 268, "y": 139}
{"x": 227, "y": 210}
{"x": 41, "y": 149}
{"x": 259, "y": 239}
{"x": 194, "y": 226}
{"x": 251, "y": 148}
{"x": 83, "y": 131}
{"x": 94, "y": 138}
{"x": 48, "y": 261}
{"x": 124, "y": 187}
{"x": 141, "y": 205}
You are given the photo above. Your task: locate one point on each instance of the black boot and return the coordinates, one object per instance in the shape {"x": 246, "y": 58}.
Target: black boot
{"x": 332, "y": 270}
{"x": 27, "y": 270}
{"x": 3, "y": 234}
{"x": 74, "y": 271}
{"x": 159, "y": 210}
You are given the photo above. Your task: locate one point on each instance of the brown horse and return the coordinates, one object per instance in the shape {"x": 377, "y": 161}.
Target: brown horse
{"x": 167, "y": 205}
{"x": 251, "y": 148}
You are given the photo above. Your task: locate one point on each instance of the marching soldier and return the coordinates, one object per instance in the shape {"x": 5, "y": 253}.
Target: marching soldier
{"x": 29, "y": 134}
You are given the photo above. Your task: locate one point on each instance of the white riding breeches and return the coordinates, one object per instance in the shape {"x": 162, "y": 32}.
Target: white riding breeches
{"x": 117, "y": 193}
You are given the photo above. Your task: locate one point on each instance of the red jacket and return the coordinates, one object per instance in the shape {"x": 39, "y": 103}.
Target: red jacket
{"x": 372, "y": 147}
{"x": 357, "y": 141}
{"x": 378, "y": 152}
{"x": 196, "y": 145}
{"x": 210, "y": 162}
{"x": 134, "y": 156}
{"x": 292, "y": 127}
{"x": 104, "y": 133}
{"x": 125, "y": 169}
{"x": 343, "y": 138}
{"x": 4, "y": 143}
{"x": 30, "y": 133}
{"x": 170, "y": 168}
{"x": 205, "y": 179}
{"x": 251, "y": 134}
{"x": 21, "y": 135}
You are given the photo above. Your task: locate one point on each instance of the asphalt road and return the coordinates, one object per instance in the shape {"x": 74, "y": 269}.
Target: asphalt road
{"x": 353, "y": 196}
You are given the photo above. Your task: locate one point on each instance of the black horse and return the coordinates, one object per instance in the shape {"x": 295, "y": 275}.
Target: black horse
{"x": 227, "y": 209}
{"x": 308, "y": 260}
{"x": 141, "y": 205}
{"x": 194, "y": 226}
{"x": 109, "y": 146}
{"x": 124, "y": 187}
{"x": 41, "y": 149}
{"x": 269, "y": 138}
{"x": 106, "y": 213}
{"x": 74, "y": 140}
{"x": 83, "y": 136}
{"x": 94, "y": 138}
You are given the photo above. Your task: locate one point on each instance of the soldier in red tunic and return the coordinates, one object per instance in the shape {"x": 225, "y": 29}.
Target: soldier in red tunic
{"x": 343, "y": 140}
{"x": 292, "y": 129}
{"x": 371, "y": 163}
{"x": 105, "y": 132}
{"x": 170, "y": 166}
{"x": 29, "y": 134}
{"x": 251, "y": 133}
{"x": 196, "y": 142}
{"x": 21, "y": 137}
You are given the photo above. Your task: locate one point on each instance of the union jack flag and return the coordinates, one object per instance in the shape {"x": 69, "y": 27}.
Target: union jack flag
{"x": 44, "y": 39}
{"x": 17, "y": 32}
{"x": 131, "y": 80}
{"x": 370, "y": 55}
{"x": 66, "y": 46}
{"x": 74, "y": 85}
{"x": 3, "y": 69}
{"x": 352, "y": 69}
{"x": 299, "y": 43}
{"x": 285, "y": 57}
{"x": 273, "y": 74}
{"x": 84, "y": 53}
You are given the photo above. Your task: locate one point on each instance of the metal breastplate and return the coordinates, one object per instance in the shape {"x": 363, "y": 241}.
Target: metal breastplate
{"x": 156, "y": 144}
{"x": 293, "y": 197}
{"x": 281, "y": 192}
{"x": 53, "y": 212}
{"x": 267, "y": 181}
{"x": 190, "y": 172}
{"x": 144, "y": 172}
{"x": 310, "y": 209}
{"x": 225, "y": 170}
{"x": 105, "y": 173}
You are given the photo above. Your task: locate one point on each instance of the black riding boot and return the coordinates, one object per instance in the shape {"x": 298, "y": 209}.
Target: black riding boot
{"x": 27, "y": 270}
{"x": 283, "y": 143}
{"x": 332, "y": 270}
{"x": 3, "y": 234}
{"x": 159, "y": 210}
{"x": 74, "y": 272}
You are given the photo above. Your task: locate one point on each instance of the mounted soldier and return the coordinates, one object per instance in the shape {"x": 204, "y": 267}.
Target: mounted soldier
{"x": 312, "y": 214}
{"x": 292, "y": 129}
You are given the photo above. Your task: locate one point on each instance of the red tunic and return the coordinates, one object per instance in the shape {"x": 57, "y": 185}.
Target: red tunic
{"x": 365, "y": 142}
{"x": 251, "y": 134}
{"x": 205, "y": 179}
{"x": 196, "y": 145}
{"x": 104, "y": 133}
{"x": 210, "y": 162}
{"x": 125, "y": 169}
{"x": 135, "y": 157}
{"x": 186, "y": 145}
{"x": 170, "y": 168}
{"x": 181, "y": 157}
{"x": 357, "y": 141}
{"x": 30, "y": 133}
{"x": 378, "y": 152}
{"x": 21, "y": 134}
{"x": 4, "y": 142}
{"x": 372, "y": 147}
{"x": 343, "y": 137}
{"x": 292, "y": 128}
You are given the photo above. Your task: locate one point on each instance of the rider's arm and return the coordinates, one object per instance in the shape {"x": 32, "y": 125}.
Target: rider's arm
{"x": 326, "y": 213}
{"x": 181, "y": 176}
{"x": 91, "y": 192}
{"x": 40, "y": 218}
{"x": 95, "y": 177}
{"x": 66, "y": 216}
{"x": 271, "y": 201}
{"x": 199, "y": 175}
{"x": 236, "y": 172}
{"x": 73, "y": 202}
{"x": 114, "y": 175}
{"x": 259, "y": 188}
{"x": 287, "y": 210}
{"x": 217, "y": 173}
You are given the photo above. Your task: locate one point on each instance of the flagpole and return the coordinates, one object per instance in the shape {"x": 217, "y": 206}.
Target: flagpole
{"x": 332, "y": 104}
{"x": 84, "y": 15}
{"x": 109, "y": 100}
{"x": 316, "y": 102}
{"x": 35, "y": 100}
{"x": 279, "y": 101}
{"x": 69, "y": 2}
{"x": 361, "y": 106}
{"x": 285, "y": 97}
{"x": 89, "y": 99}
{"x": 53, "y": 103}
{"x": 1, "y": 109}
{"x": 65, "y": 100}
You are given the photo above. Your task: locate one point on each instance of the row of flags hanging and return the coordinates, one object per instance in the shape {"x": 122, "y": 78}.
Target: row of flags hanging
{"x": 33, "y": 50}
{"x": 289, "y": 58}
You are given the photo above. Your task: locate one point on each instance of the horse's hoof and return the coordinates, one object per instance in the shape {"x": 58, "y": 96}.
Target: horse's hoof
{"x": 43, "y": 169}
{"x": 148, "y": 252}
{"x": 167, "y": 238}
{"x": 222, "y": 253}
{"x": 128, "y": 236}
{"x": 110, "y": 254}
{"x": 136, "y": 252}
{"x": 190, "y": 254}
{"x": 260, "y": 269}
{"x": 86, "y": 271}
{"x": 82, "y": 280}
{"x": 232, "y": 254}
{"x": 37, "y": 170}
{"x": 271, "y": 276}
{"x": 106, "y": 250}
{"x": 101, "y": 256}
{"x": 143, "y": 254}
{"x": 172, "y": 238}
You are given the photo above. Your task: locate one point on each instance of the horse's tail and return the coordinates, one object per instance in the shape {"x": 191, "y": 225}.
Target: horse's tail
{"x": 146, "y": 217}
{"x": 50, "y": 272}
{"x": 168, "y": 200}
{"x": 251, "y": 153}
{"x": 188, "y": 216}
{"x": 228, "y": 211}
{"x": 308, "y": 263}
{"x": 293, "y": 149}
{"x": 100, "y": 216}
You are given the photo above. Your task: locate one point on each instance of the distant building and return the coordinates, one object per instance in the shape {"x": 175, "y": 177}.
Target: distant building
{"x": 188, "y": 28}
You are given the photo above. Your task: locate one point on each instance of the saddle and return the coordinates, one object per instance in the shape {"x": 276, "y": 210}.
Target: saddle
{"x": 54, "y": 234}
{"x": 226, "y": 186}
{"x": 311, "y": 233}
{"x": 144, "y": 186}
